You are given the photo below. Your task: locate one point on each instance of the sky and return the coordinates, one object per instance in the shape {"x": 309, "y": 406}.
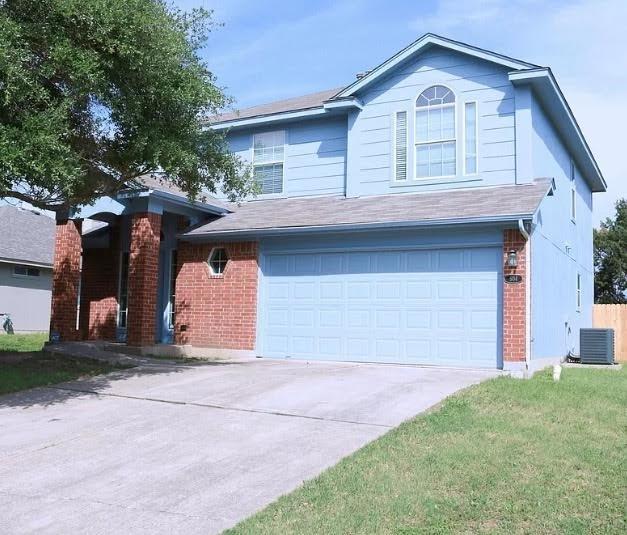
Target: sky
{"x": 265, "y": 50}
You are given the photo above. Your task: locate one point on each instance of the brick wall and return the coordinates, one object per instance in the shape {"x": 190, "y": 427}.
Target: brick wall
{"x": 66, "y": 279}
{"x": 515, "y": 298}
{"x": 99, "y": 290}
{"x": 217, "y": 311}
{"x": 143, "y": 278}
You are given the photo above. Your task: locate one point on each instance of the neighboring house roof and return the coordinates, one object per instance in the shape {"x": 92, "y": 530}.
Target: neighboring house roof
{"x": 26, "y": 236}
{"x": 489, "y": 204}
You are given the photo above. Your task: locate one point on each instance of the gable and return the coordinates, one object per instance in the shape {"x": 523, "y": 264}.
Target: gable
{"x": 422, "y": 45}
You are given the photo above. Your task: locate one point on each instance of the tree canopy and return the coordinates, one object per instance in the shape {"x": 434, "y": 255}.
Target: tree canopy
{"x": 96, "y": 93}
{"x": 610, "y": 258}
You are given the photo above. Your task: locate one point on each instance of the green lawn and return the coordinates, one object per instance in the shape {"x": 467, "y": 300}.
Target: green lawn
{"x": 22, "y": 342}
{"x": 507, "y": 456}
{"x": 41, "y": 369}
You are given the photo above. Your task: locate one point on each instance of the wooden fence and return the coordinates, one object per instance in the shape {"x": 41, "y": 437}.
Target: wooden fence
{"x": 613, "y": 317}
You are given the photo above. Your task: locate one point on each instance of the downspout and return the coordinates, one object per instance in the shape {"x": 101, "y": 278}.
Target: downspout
{"x": 525, "y": 234}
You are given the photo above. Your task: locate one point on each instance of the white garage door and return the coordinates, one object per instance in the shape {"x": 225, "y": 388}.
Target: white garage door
{"x": 412, "y": 306}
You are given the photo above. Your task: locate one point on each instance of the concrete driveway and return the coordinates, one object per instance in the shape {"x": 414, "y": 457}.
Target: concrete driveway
{"x": 193, "y": 449}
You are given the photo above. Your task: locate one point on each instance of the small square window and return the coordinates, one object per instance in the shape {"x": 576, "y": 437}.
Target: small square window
{"x": 25, "y": 271}
{"x": 218, "y": 260}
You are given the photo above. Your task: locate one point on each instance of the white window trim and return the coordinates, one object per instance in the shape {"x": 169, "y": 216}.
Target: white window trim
{"x": 117, "y": 316}
{"x": 26, "y": 276}
{"x": 228, "y": 258}
{"x": 394, "y": 147}
{"x": 476, "y": 103}
{"x": 171, "y": 290}
{"x": 433, "y": 141}
{"x": 578, "y": 289}
{"x": 273, "y": 162}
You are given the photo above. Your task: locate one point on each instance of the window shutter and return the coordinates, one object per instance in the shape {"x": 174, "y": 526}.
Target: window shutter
{"x": 400, "y": 147}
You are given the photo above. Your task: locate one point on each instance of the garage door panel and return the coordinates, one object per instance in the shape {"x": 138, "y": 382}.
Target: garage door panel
{"x": 425, "y": 307}
{"x": 388, "y": 290}
{"x": 419, "y": 261}
{"x": 304, "y": 290}
{"x": 358, "y": 348}
{"x": 419, "y": 319}
{"x": 416, "y": 290}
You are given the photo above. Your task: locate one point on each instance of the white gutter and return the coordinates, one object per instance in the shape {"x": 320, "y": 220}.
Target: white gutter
{"x": 525, "y": 234}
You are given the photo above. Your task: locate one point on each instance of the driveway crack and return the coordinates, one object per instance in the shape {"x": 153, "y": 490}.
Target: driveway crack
{"x": 223, "y": 407}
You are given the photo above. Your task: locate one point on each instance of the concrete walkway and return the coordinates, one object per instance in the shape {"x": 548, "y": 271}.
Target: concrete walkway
{"x": 195, "y": 448}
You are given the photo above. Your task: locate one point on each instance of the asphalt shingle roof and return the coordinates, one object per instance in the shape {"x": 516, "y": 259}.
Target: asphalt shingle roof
{"x": 153, "y": 182}
{"x": 489, "y": 203}
{"x": 304, "y": 102}
{"x": 26, "y": 236}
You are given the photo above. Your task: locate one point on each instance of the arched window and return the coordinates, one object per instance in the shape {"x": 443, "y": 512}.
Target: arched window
{"x": 435, "y": 133}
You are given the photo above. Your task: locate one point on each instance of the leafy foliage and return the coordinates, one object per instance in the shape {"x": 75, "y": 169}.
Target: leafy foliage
{"x": 96, "y": 93}
{"x": 610, "y": 258}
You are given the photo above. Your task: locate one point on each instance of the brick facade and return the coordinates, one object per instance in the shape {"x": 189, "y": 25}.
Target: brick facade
{"x": 515, "y": 298}
{"x": 66, "y": 273}
{"x": 99, "y": 290}
{"x": 143, "y": 278}
{"x": 217, "y": 311}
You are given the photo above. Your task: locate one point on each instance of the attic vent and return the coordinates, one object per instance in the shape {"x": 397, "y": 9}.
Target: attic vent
{"x": 596, "y": 346}
{"x": 400, "y": 146}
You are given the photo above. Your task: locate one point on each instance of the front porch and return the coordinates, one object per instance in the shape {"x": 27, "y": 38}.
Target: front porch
{"x": 115, "y": 268}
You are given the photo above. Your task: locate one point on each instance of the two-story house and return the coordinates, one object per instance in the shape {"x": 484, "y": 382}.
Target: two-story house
{"x": 437, "y": 211}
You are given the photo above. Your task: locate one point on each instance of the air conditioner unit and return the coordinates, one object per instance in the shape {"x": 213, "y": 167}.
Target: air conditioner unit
{"x": 596, "y": 346}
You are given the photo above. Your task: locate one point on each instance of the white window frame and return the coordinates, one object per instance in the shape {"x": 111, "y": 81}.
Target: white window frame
{"x": 476, "y": 103}
{"x": 228, "y": 258}
{"x": 26, "y": 275}
{"x": 119, "y": 309}
{"x": 173, "y": 266}
{"x": 433, "y": 141}
{"x": 273, "y": 162}
{"x": 578, "y": 292}
{"x": 394, "y": 147}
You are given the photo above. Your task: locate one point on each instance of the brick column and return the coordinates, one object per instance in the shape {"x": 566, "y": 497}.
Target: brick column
{"x": 143, "y": 278}
{"x": 515, "y": 298}
{"x": 66, "y": 276}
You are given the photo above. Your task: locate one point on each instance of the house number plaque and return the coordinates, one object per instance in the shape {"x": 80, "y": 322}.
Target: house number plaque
{"x": 513, "y": 279}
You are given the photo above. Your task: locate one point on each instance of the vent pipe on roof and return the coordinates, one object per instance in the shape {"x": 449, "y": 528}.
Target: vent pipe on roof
{"x": 360, "y": 75}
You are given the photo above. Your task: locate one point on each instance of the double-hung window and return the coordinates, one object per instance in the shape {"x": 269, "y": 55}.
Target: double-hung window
{"x": 435, "y": 137}
{"x": 268, "y": 159}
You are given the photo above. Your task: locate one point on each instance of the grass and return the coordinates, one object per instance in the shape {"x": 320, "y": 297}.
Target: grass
{"x": 22, "y": 342}
{"x": 40, "y": 369}
{"x": 506, "y": 456}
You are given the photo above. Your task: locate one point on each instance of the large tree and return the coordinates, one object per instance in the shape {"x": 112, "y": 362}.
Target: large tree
{"x": 610, "y": 258}
{"x": 96, "y": 93}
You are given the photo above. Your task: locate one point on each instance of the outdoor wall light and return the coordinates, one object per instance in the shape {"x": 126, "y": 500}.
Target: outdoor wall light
{"x": 512, "y": 259}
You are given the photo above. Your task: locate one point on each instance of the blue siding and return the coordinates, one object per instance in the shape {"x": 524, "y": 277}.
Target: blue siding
{"x": 370, "y": 131}
{"x": 555, "y": 321}
{"x": 315, "y": 155}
